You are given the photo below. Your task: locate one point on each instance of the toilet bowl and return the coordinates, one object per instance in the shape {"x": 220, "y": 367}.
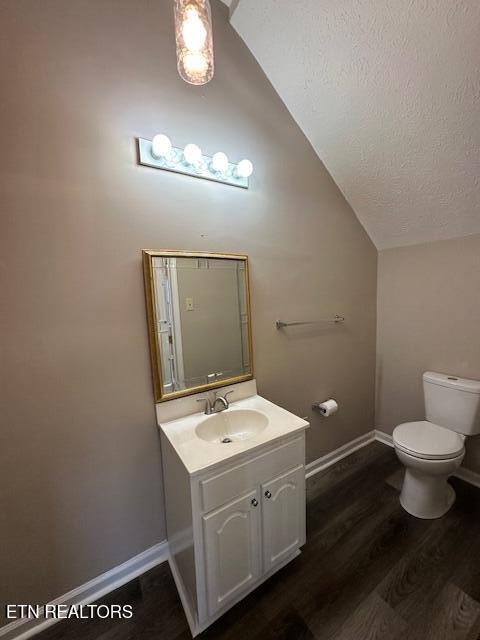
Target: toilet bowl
{"x": 430, "y": 455}
{"x": 431, "y": 450}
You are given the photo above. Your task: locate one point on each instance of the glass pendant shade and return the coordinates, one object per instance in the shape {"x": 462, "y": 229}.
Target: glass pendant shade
{"x": 193, "y": 35}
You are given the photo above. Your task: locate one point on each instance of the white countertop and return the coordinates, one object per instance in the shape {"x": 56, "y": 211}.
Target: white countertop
{"x": 198, "y": 455}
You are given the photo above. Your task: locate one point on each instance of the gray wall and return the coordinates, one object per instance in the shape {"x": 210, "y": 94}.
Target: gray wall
{"x": 428, "y": 319}
{"x": 80, "y": 462}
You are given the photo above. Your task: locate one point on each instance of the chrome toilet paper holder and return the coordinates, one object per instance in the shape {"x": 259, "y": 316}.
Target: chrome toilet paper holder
{"x": 326, "y": 408}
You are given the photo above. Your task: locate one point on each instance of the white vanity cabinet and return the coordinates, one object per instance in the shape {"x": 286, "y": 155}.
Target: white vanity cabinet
{"x": 231, "y": 526}
{"x": 233, "y": 465}
{"x": 283, "y": 516}
{"x": 232, "y": 542}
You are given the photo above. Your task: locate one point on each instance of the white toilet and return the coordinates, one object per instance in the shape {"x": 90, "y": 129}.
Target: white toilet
{"x": 433, "y": 449}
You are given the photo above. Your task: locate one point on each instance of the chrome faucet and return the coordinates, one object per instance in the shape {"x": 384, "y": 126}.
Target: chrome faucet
{"x": 223, "y": 401}
{"x": 208, "y": 404}
{"x": 211, "y": 407}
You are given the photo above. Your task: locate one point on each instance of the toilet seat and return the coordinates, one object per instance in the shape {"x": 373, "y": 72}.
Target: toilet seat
{"x": 428, "y": 441}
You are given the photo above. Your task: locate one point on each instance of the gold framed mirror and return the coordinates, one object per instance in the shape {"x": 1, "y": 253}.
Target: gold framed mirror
{"x": 199, "y": 321}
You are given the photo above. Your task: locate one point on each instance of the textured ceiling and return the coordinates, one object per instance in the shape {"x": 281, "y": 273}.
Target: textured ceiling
{"x": 388, "y": 93}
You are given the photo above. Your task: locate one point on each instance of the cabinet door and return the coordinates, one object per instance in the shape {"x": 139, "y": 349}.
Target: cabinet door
{"x": 232, "y": 549}
{"x": 283, "y": 509}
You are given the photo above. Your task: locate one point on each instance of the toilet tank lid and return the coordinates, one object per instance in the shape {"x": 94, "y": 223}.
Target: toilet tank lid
{"x": 453, "y": 382}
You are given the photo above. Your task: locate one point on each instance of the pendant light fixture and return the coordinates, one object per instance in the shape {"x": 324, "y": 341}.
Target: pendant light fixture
{"x": 193, "y": 35}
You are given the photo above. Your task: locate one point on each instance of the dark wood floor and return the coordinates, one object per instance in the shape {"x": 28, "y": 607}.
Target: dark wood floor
{"x": 369, "y": 571}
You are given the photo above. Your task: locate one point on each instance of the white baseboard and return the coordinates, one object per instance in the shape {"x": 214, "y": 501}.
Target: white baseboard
{"x": 384, "y": 438}
{"x": 335, "y": 456}
{"x": 468, "y": 476}
{"x": 90, "y": 591}
{"x": 472, "y": 477}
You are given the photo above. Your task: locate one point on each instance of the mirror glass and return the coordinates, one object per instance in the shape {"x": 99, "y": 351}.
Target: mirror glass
{"x": 199, "y": 314}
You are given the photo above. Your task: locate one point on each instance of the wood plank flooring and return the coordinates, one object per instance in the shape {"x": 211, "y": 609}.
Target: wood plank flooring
{"x": 369, "y": 571}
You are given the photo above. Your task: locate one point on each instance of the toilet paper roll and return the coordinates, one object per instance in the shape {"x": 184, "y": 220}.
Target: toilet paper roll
{"x": 328, "y": 407}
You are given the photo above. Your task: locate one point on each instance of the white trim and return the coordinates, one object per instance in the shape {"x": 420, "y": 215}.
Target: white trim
{"x": 91, "y": 590}
{"x": 176, "y": 325}
{"x": 335, "y": 456}
{"x": 468, "y": 476}
{"x": 472, "y": 477}
{"x": 384, "y": 438}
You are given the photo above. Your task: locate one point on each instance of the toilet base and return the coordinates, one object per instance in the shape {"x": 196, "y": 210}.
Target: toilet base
{"x": 426, "y": 496}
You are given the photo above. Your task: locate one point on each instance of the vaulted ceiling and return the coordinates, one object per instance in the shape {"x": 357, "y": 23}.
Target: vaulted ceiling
{"x": 388, "y": 93}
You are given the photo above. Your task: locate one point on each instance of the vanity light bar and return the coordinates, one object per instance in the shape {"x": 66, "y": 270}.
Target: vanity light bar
{"x": 160, "y": 154}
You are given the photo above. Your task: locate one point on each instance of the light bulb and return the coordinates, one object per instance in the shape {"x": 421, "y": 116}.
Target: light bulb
{"x": 193, "y": 155}
{"x": 193, "y": 32}
{"x": 161, "y": 146}
{"x": 220, "y": 162}
{"x": 195, "y": 63}
{"x": 244, "y": 169}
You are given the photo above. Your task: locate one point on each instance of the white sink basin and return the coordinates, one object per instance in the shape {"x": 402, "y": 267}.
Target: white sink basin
{"x": 233, "y": 425}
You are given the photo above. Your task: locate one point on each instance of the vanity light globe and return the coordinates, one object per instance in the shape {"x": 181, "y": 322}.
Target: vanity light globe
{"x": 244, "y": 169}
{"x": 220, "y": 162}
{"x": 193, "y": 155}
{"x": 161, "y": 146}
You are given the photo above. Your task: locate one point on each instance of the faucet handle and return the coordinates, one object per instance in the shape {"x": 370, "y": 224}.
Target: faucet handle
{"x": 208, "y": 404}
{"x": 225, "y": 397}
{"x": 217, "y": 393}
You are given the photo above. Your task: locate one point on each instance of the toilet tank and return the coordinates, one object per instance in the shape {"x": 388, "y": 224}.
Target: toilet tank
{"x": 451, "y": 402}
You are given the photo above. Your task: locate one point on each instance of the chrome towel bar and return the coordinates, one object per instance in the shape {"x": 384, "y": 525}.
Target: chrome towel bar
{"x": 280, "y": 324}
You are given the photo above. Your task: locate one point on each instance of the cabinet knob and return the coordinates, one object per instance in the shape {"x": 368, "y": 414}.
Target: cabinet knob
{"x": 268, "y": 494}
{"x": 254, "y": 502}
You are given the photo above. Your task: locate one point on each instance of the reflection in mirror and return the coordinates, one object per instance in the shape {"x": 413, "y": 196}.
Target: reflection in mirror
{"x": 200, "y": 313}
